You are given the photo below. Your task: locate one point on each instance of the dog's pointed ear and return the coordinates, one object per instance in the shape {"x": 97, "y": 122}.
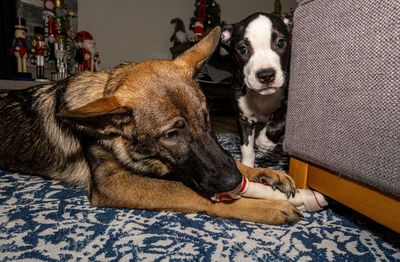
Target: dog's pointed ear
{"x": 197, "y": 55}
{"x": 103, "y": 116}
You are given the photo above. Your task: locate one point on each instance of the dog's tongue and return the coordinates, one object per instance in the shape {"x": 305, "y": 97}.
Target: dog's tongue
{"x": 230, "y": 195}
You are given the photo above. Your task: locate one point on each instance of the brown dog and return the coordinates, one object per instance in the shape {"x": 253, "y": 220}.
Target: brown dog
{"x": 139, "y": 136}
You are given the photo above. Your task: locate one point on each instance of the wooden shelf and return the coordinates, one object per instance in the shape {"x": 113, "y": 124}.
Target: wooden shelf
{"x": 15, "y": 85}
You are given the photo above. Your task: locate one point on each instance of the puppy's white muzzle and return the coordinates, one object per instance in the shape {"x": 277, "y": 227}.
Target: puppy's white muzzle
{"x": 258, "y": 73}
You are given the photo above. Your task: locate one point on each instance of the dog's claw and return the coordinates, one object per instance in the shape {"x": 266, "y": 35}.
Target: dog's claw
{"x": 287, "y": 220}
{"x": 293, "y": 218}
{"x": 278, "y": 180}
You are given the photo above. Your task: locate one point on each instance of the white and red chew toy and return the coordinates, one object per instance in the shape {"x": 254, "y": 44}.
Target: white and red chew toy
{"x": 304, "y": 199}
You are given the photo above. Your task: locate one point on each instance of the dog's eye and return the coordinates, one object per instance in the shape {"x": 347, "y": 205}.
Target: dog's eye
{"x": 243, "y": 49}
{"x": 171, "y": 134}
{"x": 281, "y": 43}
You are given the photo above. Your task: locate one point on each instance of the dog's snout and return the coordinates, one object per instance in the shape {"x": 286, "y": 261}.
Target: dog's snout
{"x": 266, "y": 75}
{"x": 231, "y": 181}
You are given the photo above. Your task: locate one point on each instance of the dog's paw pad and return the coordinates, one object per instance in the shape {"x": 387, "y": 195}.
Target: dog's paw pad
{"x": 264, "y": 144}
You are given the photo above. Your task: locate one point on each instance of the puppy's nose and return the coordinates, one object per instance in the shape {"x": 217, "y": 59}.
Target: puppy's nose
{"x": 266, "y": 75}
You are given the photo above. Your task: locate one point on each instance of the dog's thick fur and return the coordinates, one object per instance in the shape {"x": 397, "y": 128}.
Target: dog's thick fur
{"x": 138, "y": 136}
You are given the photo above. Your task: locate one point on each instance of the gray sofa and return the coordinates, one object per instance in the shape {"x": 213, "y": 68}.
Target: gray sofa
{"x": 344, "y": 103}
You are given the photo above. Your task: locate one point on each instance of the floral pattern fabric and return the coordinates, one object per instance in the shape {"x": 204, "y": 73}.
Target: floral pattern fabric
{"x": 45, "y": 220}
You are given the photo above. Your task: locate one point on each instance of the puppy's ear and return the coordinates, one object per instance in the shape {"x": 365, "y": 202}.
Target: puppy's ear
{"x": 286, "y": 20}
{"x": 226, "y": 35}
{"x": 104, "y": 116}
{"x": 197, "y": 55}
{"x": 225, "y": 41}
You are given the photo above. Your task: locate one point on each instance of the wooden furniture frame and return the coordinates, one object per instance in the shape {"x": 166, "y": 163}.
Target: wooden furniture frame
{"x": 382, "y": 208}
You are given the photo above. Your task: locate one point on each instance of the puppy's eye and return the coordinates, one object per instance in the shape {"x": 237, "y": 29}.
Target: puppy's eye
{"x": 281, "y": 43}
{"x": 171, "y": 134}
{"x": 243, "y": 49}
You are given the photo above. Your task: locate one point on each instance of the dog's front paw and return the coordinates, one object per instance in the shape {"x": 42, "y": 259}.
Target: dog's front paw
{"x": 277, "y": 179}
{"x": 276, "y": 212}
{"x": 289, "y": 214}
{"x": 264, "y": 144}
{"x": 273, "y": 212}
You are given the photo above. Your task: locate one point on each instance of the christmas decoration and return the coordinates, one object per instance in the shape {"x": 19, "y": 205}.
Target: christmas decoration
{"x": 78, "y": 53}
{"x": 89, "y": 53}
{"x": 19, "y": 46}
{"x": 277, "y": 6}
{"x": 57, "y": 22}
{"x": 198, "y": 30}
{"x": 179, "y": 36}
{"x": 207, "y": 15}
{"x": 41, "y": 49}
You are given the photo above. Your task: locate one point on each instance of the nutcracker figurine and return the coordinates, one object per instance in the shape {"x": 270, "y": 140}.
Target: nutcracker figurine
{"x": 61, "y": 55}
{"x": 41, "y": 49}
{"x": 19, "y": 46}
{"x": 56, "y": 29}
{"x": 48, "y": 17}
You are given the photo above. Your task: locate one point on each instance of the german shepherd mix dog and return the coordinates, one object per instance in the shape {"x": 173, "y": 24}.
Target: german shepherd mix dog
{"x": 138, "y": 136}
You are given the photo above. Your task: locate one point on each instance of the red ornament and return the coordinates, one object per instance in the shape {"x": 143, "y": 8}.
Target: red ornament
{"x": 202, "y": 11}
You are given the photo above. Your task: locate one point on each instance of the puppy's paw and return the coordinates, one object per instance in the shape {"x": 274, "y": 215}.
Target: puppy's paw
{"x": 277, "y": 179}
{"x": 264, "y": 144}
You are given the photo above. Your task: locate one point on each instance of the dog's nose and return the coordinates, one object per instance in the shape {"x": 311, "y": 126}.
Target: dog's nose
{"x": 266, "y": 75}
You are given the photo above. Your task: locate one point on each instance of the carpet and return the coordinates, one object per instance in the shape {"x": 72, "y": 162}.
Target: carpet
{"x": 45, "y": 220}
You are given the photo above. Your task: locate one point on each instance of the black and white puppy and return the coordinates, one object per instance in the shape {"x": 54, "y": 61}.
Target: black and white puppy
{"x": 259, "y": 47}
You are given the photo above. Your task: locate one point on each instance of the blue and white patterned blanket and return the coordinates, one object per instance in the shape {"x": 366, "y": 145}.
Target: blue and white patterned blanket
{"x": 51, "y": 221}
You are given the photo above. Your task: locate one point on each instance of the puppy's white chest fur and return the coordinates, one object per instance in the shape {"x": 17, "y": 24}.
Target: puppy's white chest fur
{"x": 257, "y": 108}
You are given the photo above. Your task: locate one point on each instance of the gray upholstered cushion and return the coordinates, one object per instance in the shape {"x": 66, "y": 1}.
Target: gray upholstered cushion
{"x": 344, "y": 105}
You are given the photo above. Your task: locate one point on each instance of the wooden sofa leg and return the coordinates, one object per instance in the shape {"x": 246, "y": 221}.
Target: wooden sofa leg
{"x": 382, "y": 208}
{"x": 298, "y": 170}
